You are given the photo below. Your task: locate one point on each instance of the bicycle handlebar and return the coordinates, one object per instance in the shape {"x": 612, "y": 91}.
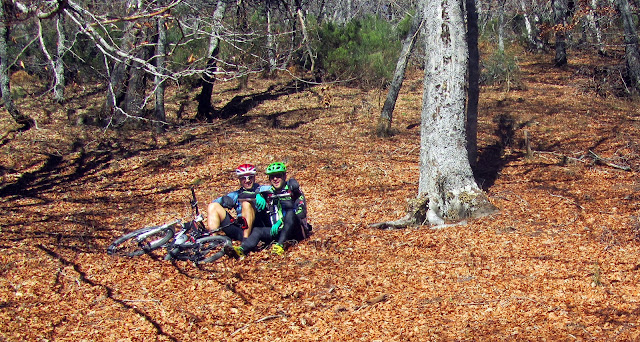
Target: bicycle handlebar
{"x": 194, "y": 202}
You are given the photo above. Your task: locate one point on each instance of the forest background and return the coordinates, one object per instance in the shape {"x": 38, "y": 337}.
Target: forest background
{"x": 558, "y": 155}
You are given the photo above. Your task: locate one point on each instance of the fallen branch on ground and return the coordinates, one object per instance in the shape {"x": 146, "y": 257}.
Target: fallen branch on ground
{"x": 603, "y": 161}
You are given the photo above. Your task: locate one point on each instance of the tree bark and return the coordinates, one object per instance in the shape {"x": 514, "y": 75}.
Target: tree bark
{"x": 208, "y": 79}
{"x": 24, "y": 121}
{"x": 500, "y": 28}
{"x": 386, "y": 116}
{"x": 446, "y": 178}
{"x": 532, "y": 32}
{"x": 55, "y": 61}
{"x": 594, "y": 27}
{"x": 632, "y": 52}
{"x": 271, "y": 43}
{"x": 137, "y": 86}
{"x": 118, "y": 80}
{"x": 560, "y": 15}
{"x": 159, "y": 109}
{"x": 58, "y": 88}
{"x": 473, "y": 95}
{"x": 305, "y": 35}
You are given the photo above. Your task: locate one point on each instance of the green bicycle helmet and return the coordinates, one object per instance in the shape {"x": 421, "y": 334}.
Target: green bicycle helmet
{"x": 276, "y": 167}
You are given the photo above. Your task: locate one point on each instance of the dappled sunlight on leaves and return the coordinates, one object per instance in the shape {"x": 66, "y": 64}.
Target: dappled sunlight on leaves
{"x": 559, "y": 261}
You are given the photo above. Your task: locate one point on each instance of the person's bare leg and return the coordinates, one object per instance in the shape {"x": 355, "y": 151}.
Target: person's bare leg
{"x": 215, "y": 215}
{"x": 249, "y": 214}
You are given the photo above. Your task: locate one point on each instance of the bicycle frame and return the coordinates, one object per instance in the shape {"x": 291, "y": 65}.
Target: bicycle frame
{"x": 192, "y": 242}
{"x": 145, "y": 235}
{"x": 188, "y": 246}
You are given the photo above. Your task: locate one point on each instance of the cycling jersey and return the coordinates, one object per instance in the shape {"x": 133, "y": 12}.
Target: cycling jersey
{"x": 240, "y": 194}
{"x": 282, "y": 200}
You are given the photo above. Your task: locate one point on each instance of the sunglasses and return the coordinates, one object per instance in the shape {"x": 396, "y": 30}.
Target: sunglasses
{"x": 247, "y": 178}
{"x": 276, "y": 175}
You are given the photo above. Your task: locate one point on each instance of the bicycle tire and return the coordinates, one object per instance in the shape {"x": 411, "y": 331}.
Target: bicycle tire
{"x": 128, "y": 244}
{"x": 212, "y": 248}
{"x": 181, "y": 252}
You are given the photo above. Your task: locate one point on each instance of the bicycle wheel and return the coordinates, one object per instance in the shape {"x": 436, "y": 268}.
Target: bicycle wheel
{"x": 212, "y": 248}
{"x": 131, "y": 245}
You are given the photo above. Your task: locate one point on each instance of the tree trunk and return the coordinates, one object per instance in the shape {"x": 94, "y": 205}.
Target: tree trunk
{"x": 25, "y": 122}
{"x": 120, "y": 97}
{"x": 532, "y": 32}
{"x": 137, "y": 87}
{"x": 474, "y": 82}
{"x": 118, "y": 79}
{"x": 446, "y": 178}
{"x": 591, "y": 26}
{"x": 560, "y": 15}
{"x": 55, "y": 62}
{"x": 208, "y": 79}
{"x": 386, "y": 116}
{"x": 271, "y": 44}
{"x": 632, "y": 54}
{"x": 500, "y": 28}
{"x": 243, "y": 27}
{"x": 305, "y": 35}
{"x": 159, "y": 109}
{"x": 58, "y": 65}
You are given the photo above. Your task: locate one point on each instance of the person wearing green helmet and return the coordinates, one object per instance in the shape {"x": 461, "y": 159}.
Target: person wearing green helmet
{"x": 287, "y": 209}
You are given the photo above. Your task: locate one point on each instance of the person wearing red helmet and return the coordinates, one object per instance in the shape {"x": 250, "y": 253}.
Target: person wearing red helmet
{"x": 246, "y": 201}
{"x": 287, "y": 210}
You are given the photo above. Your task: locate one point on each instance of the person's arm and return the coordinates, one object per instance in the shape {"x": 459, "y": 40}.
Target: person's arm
{"x": 300, "y": 203}
{"x": 229, "y": 201}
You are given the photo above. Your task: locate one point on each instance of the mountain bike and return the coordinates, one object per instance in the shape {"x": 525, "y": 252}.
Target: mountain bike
{"x": 192, "y": 242}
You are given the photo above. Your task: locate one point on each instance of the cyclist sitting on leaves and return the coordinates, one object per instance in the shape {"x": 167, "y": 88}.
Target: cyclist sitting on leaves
{"x": 287, "y": 210}
{"x": 242, "y": 201}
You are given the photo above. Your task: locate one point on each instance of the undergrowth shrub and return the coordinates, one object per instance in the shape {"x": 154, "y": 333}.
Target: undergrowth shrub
{"x": 362, "y": 51}
{"x": 501, "y": 69}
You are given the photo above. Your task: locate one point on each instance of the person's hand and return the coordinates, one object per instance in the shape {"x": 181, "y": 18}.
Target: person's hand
{"x": 276, "y": 227}
{"x": 227, "y": 202}
{"x": 261, "y": 203}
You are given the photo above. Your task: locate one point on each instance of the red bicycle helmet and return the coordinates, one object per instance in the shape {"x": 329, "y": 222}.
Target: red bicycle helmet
{"x": 245, "y": 170}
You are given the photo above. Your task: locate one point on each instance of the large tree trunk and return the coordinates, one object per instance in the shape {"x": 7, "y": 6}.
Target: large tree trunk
{"x": 208, "y": 79}
{"x": 447, "y": 191}
{"x": 446, "y": 178}
{"x": 25, "y": 122}
{"x": 386, "y": 116}
{"x": 474, "y": 82}
{"x": 632, "y": 52}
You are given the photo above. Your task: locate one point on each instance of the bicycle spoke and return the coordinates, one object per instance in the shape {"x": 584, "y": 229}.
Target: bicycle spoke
{"x": 131, "y": 245}
{"x": 212, "y": 248}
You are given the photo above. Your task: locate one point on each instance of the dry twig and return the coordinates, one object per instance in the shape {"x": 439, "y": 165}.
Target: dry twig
{"x": 267, "y": 318}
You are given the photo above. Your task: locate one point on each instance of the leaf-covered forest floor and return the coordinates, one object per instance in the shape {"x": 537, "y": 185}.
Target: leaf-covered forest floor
{"x": 560, "y": 261}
